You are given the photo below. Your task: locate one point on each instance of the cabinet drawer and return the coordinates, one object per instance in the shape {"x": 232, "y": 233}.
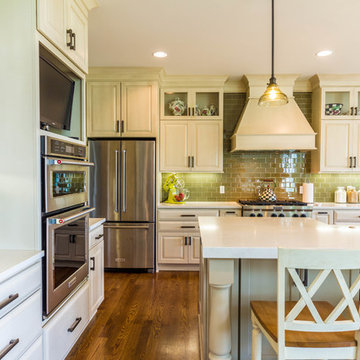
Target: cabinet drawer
{"x": 96, "y": 236}
{"x": 348, "y": 216}
{"x": 183, "y": 226}
{"x": 35, "y": 351}
{"x": 61, "y": 332}
{"x": 14, "y": 290}
{"x": 230, "y": 212}
{"x": 185, "y": 214}
{"x": 22, "y": 324}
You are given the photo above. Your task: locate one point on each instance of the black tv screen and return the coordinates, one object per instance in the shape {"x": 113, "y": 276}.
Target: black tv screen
{"x": 56, "y": 96}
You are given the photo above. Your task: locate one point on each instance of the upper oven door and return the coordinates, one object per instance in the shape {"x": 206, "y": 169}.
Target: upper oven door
{"x": 66, "y": 183}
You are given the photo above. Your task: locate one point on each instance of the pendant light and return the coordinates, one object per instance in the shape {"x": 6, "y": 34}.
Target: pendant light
{"x": 272, "y": 96}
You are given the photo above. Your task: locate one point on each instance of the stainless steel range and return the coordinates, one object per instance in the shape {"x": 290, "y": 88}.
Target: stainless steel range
{"x": 285, "y": 208}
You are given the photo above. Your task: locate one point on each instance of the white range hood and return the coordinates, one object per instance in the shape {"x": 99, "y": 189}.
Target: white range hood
{"x": 272, "y": 128}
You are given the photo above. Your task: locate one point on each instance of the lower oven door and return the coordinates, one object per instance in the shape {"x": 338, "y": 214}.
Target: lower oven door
{"x": 67, "y": 249}
{"x": 65, "y": 182}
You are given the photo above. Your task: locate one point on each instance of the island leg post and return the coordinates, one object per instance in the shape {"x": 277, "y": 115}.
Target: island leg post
{"x": 221, "y": 279}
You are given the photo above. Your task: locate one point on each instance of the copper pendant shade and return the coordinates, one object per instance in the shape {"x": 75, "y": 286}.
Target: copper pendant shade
{"x": 272, "y": 96}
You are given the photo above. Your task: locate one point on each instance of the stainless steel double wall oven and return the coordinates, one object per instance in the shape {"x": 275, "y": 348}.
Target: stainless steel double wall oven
{"x": 65, "y": 218}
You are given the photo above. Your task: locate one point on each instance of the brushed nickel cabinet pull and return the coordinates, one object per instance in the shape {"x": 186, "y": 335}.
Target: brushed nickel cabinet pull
{"x": 189, "y": 112}
{"x": 193, "y": 111}
{"x": 352, "y": 110}
{"x": 73, "y": 45}
{"x": 93, "y": 266}
{"x": 230, "y": 212}
{"x": 188, "y": 215}
{"x": 117, "y": 126}
{"x": 351, "y": 165}
{"x": 99, "y": 237}
{"x": 192, "y": 161}
{"x": 189, "y": 161}
{"x": 9, "y": 300}
{"x": 190, "y": 240}
{"x": 122, "y": 126}
{"x": 69, "y": 33}
{"x": 185, "y": 240}
{"x": 8, "y": 348}
{"x": 74, "y": 325}
{"x": 323, "y": 213}
{"x": 188, "y": 226}
{"x": 354, "y": 161}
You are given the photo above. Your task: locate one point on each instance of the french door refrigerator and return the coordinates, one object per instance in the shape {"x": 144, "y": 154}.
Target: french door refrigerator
{"x": 122, "y": 188}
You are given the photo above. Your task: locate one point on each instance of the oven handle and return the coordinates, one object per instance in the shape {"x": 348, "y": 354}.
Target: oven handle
{"x": 58, "y": 220}
{"x": 68, "y": 162}
{"x": 145, "y": 227}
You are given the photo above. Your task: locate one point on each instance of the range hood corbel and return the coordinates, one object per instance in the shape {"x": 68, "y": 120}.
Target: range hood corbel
{"x": 272, "y": 128}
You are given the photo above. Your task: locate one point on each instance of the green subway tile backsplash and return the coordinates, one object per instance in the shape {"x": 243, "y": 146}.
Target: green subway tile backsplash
{"x": 241, "y": 170}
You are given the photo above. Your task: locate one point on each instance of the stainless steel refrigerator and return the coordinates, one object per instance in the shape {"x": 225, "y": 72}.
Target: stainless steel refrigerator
{"x": 123, "y": 191}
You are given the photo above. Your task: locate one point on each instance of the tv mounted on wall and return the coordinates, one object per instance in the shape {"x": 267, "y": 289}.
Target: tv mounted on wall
{"x": 56, "y": 96}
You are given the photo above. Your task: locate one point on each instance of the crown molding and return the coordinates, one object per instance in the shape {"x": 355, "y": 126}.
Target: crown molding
{"x": 90, "y": 4}
{"x": 110, "y": 73}
{"x": 167, "y": 81}
{"x": 339, "y": 80}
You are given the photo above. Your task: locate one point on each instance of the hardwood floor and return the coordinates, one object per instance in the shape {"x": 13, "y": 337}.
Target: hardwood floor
{"x": 144, "y": 316}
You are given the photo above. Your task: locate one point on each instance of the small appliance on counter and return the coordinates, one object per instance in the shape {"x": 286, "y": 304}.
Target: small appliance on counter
{"x": 175, "y": 187}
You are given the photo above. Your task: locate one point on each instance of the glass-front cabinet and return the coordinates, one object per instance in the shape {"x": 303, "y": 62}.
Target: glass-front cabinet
{"x": 191, "y": 104}
{"x": 341, "y": 103}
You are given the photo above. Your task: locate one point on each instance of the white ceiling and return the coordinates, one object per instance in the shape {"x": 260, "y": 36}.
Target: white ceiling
{"x": 226, "y": 37}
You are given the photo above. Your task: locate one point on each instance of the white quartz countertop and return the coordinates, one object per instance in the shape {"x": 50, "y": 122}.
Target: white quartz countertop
{"x": 14, "y": 261}
{"x": 95, "y": 222}
{"x": 335, "y": 206}
{"x": 260, "y": 238}
{"x": 201, "y": 205}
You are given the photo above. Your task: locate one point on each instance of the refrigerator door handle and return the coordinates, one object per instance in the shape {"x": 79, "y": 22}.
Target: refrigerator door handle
{"x": 123, "y": 195}
{"x": 144, "y": 227}
{"x": 116, "y": 181}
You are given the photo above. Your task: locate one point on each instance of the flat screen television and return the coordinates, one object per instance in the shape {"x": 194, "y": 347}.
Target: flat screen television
{"x": 56, "y": 96}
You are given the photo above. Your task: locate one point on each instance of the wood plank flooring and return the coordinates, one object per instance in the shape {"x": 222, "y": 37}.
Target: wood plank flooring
{"x": 144, "y": 317}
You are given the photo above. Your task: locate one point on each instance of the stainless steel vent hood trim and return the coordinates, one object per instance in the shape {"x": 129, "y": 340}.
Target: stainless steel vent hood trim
{"x": 272, "y": 128}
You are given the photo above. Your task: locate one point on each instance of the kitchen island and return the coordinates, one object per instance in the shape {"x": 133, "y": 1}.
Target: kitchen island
{"x": 238, "y": 264}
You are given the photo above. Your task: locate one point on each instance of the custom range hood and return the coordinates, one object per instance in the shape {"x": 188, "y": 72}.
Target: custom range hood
{"x": 272, "y": 128}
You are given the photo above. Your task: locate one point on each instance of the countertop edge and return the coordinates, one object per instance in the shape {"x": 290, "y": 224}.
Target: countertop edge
{"x": 21, "y": 265}
{"x": 201, "y": 205}
{"x": 96, "y": 223}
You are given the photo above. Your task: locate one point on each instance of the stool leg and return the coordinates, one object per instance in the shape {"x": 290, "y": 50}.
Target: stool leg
{"x": 256, "y": 341}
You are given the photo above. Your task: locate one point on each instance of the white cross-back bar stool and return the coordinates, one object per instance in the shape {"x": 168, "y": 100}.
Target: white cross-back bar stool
{"x": 309, "y": 329}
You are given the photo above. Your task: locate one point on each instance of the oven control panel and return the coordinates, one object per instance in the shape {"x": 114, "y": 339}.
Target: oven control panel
{"x": 55, "y": 147}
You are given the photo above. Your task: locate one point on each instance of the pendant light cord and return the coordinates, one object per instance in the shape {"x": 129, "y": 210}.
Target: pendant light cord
{"x": 272, "y": 79}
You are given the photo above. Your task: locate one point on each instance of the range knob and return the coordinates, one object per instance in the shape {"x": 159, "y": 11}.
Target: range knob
{"x": 303, "y": 215}
{"x": 295, "y": 215}
{"x": 252, "y": 215}
{"x": 274, "y": 215}
{"x": 260, "y": 215}
{"x": 282, "y": 215}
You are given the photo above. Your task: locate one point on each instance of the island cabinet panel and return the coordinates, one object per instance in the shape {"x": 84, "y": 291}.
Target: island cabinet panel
{"x": 122, "y": 109}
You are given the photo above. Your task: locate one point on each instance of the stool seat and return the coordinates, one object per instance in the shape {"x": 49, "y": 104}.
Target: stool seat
{"x": 266, "y": 313}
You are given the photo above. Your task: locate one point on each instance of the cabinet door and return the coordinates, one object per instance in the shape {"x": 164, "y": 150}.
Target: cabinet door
{"x": 336, "y": 145}
{"x": 103, "y": 109}
{"x": 96, "y": 277}
{"x": 51, "y": 21}
{"x": 207, "y": 146}
{"x": 139, "y": 109}
{"x": 172, "y": 249}
{"x": 337, "y": 95}
{"x": 323, "y": 216}
{"x": 78, "y": 23}
{"x": 194, "y": 249}
{"x": 356, "y": 146}
{"x": 174, "y": 146}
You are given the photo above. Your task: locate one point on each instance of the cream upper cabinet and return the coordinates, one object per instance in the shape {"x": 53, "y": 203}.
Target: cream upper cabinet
{"x": 65, "y": 24}
{"x": 103, "y": 109}
{"x": 139, "y": 109}
{"x": 174, "y": 146}
{"x": 207, "y": 145}
{"x": 191, "y": 146}
{"x": 77, "y": 33}
{"x": 126, "y": 109}
{"x": 51, "y": 21}
{"x": 188, "y": 103}
{"x": 337, "y": 145}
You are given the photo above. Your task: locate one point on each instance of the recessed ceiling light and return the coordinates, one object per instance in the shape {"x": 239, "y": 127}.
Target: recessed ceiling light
{"x": 324, "y": 53}
{"x": 160, "y": 54}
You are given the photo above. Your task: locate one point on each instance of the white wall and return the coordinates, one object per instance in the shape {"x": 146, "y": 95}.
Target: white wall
{"x": 19, "y": 149}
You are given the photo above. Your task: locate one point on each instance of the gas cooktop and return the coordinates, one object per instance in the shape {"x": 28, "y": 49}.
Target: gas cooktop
{"x": 275, "y": 203}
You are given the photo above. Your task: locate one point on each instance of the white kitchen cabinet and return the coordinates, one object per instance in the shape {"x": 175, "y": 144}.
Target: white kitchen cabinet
{"x": 194, "y": 249}
{"x": 103, "y": 109}
{"x": 116, "y": 109}
{"x": 325, "y": 216}
{"x": 96, "y": 278}
{"x": 65, "y": 24}
{"x": 172, "y": 249}
{"x": 191, "y": 146}
{"x": 196, "y": 101}
{"x": 77, "y": 23}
